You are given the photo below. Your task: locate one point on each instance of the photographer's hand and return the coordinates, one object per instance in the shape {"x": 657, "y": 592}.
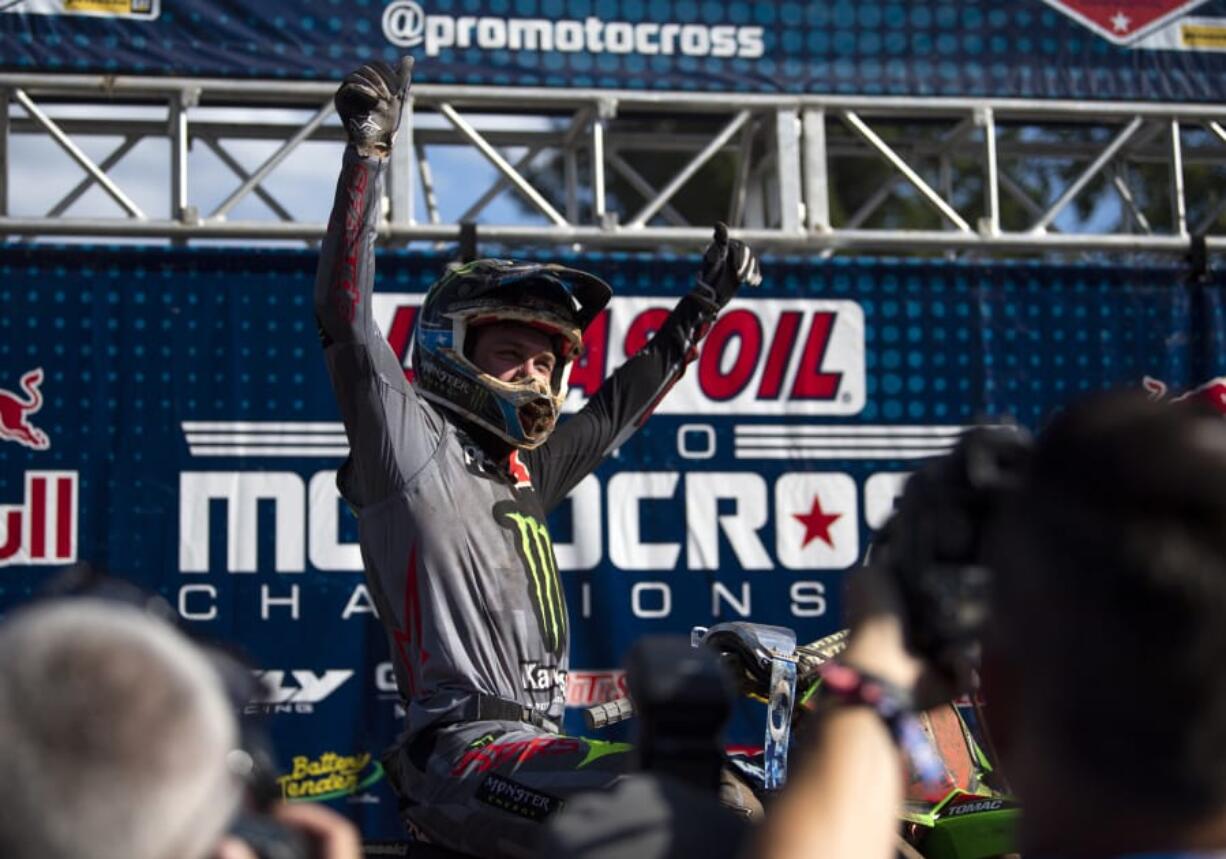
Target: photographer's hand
{"x": 334, "y": 837}
{"x": 877, "y": 643}
{"x": 233, "y": 848}
{"x": 843, "y": 801}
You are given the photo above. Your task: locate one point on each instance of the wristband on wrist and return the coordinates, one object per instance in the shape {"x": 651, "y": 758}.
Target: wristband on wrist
{"x": 845, "y": 685}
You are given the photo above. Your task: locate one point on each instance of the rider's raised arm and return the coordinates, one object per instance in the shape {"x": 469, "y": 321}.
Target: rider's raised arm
{"x": 628, "y": 397}
{"x": 369, "y": 101}
{"x": 345, "y": 277}
{"x": 367, "y": 378}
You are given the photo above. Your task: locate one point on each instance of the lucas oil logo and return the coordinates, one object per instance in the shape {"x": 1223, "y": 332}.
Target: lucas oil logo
{"x": 762, "y": 356}
{"x": 407, "y": 25}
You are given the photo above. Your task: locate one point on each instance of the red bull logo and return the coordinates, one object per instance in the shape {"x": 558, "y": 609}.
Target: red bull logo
{"x": 1211, "y": 393}
{"x": 15, "y": 411}
{"x": 42, "y": 529}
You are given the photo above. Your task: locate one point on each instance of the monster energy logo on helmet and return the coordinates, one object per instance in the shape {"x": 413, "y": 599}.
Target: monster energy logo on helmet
{"x": 559, "y": 300}
{"x": 535, "y": 550}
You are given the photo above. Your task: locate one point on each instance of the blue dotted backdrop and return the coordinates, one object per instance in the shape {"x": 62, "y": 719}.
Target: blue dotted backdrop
{"x": 134, "y": 342}
{"x": 1005, "y": 48}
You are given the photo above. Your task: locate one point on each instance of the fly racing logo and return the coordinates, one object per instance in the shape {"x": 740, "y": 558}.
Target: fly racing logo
{"x": 297, "y": 693}
{"x": 541, "y": 678}
{"x": 406, "y": 24}
{"x": 535, "y": 550}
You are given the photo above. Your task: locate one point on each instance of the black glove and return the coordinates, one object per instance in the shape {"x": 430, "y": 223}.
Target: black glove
{"x": 369, "y": 102}
{"x": 726, "y": 264}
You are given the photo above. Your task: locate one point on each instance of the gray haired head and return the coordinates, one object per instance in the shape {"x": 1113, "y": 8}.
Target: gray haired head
{"x": 115, "y": 731}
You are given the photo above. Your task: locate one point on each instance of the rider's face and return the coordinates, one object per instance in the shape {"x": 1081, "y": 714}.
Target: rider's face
{"x": 511, "y": 352}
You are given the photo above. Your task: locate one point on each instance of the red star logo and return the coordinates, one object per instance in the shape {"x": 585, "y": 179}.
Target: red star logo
{"x": 817, "y": 523}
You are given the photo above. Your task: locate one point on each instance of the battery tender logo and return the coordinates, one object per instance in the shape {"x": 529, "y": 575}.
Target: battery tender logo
{"x": 406, "y": 24}
{"x": 329, "y": 776}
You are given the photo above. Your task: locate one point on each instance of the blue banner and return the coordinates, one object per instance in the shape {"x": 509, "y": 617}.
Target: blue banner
{"x": 1151, "y": 50}
{"x": 165, "y": 414}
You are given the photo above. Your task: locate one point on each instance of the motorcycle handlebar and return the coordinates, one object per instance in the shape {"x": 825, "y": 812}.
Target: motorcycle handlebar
{"x": 609, "y": 713}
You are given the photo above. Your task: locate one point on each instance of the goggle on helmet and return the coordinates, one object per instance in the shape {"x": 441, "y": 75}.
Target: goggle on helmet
{"x": 557, "y": 300}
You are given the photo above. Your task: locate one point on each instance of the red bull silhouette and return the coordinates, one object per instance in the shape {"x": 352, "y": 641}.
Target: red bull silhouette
{"x": 15, "y": 413}
{"x": 1212, "y": 392}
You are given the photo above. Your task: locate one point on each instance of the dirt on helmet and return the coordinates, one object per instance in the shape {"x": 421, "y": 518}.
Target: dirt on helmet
{"x": 537, "y": 418}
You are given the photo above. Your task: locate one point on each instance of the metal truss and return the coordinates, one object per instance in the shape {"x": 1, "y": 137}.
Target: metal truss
{"x": 814, "y": 174}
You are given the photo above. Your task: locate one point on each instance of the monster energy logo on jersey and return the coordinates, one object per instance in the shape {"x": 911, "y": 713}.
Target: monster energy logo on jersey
{"x": 544, "y": 587}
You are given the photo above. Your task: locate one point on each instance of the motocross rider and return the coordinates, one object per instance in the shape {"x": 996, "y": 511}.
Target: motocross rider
{"x": 452, "y": 477}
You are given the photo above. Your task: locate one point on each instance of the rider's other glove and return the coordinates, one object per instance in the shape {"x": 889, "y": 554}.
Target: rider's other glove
{"x": 726, "y": 264}
{"x": 369, "y": 102}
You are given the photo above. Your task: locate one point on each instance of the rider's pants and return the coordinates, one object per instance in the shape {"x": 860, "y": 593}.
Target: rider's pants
{"x": 485, "y": 788}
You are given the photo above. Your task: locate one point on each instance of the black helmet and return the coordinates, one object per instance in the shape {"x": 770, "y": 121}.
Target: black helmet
{"x": 558, "y": 300}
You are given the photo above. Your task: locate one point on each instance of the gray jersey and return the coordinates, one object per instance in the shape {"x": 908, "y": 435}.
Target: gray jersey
{"x": 453, "y": 534}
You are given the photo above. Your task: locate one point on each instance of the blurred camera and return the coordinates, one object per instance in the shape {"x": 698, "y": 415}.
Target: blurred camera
{"x": 683, "y": 696}
{"x": 934, "y": 546}
{"x": 268, "y": 839}
{"x": 255, "y": 763}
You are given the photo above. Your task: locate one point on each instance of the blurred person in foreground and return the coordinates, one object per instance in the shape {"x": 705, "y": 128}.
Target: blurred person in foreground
{"x": 117, "y": 736}
{"x": 1103, "y": 654}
